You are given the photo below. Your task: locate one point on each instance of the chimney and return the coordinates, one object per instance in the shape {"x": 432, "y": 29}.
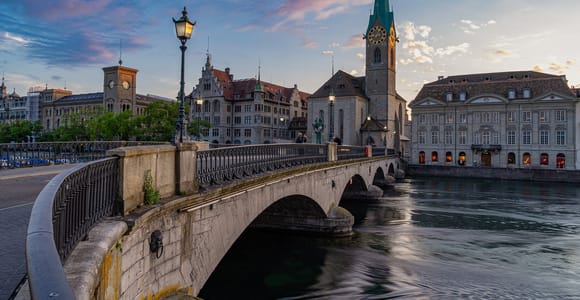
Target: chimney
{"x": 440, "y": 78}
{"x": 228, "y": 71}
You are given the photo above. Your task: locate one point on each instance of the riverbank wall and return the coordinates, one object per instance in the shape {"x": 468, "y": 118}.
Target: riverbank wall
{"x": 528, "y": 174}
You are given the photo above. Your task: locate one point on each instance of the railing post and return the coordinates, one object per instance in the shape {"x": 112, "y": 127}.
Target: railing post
{"x": 332, "y": 151}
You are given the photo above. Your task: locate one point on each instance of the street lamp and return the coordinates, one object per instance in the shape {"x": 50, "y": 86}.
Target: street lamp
{"x": 331, "y": 98}
{"x": 183, "y": 30}
{"x": 198, "y": 105}
{"x": 368, "y": 130}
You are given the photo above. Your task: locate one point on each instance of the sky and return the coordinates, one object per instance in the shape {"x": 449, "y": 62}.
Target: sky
{"x": 66, "y": 43}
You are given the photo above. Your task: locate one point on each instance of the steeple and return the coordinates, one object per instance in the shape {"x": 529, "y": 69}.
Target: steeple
{"x": 383, "y": 13}
{"x": 3, "y": 89}
{"x": 259, "y": 87}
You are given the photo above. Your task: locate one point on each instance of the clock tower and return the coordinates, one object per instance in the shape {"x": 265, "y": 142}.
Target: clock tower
{"x": 119, "y": 90}
{"x": 381, "y": 39}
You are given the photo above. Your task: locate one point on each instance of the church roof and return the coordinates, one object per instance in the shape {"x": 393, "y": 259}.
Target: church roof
{"x": 342, "y": 84}
{"x": 382, "y": 12}
{"x": 500, "y": 84}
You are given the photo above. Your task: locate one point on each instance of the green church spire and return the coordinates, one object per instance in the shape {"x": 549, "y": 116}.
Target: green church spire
{"x": 383, "y": 13}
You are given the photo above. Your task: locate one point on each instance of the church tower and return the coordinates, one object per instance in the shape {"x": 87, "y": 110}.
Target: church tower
{"x": 381, "y": 39}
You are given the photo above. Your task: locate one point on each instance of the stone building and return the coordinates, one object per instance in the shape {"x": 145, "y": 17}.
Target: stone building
{"x": 365, "y": 110}
{"x": 246, "y": 111}
{"x": 520, "y": 119}
{"x": 119, "y": 94}
{"x": 12, "y": 106}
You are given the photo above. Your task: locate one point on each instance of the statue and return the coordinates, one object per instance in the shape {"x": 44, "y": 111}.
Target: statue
{"x": 318, "y": 125}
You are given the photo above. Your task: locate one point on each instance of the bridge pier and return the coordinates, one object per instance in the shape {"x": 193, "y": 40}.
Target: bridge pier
{"x": 338, "y": 223}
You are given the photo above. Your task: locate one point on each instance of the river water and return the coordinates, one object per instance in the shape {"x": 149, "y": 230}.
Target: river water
{"x": 424, "y": 239}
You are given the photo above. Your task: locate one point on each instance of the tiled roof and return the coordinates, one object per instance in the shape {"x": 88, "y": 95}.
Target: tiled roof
{"x": 82, "y": 97}
{"x": 499, "y": 84}
{"x": 343, "y": 84}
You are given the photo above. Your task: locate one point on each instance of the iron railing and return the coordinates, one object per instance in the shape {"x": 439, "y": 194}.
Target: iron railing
{"x": 78, "y": 199}
{"x": 18, "y": 155}
{"x": 351, "y": 152}
{"x": 215, "y": 166}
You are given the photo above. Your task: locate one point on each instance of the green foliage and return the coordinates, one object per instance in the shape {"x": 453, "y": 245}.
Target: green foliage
{"x": 151, "y": 194}
{"x": 156, "y": 124}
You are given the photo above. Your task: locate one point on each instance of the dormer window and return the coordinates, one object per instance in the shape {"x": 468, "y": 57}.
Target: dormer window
{"x": 462, "y": 96}
{"x": 511, "y": 94}
{"x": 527, "y": 93}
{"x": 449, "y": 96}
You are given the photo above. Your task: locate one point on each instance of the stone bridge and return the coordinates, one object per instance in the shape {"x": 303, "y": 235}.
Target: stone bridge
{"x": 172, "y": 247}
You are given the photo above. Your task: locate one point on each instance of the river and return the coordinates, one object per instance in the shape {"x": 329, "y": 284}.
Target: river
{"x": 426, "y": 238}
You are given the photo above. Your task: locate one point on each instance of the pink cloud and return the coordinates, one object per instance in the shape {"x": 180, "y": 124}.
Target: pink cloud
{"x": 58, "y": 9}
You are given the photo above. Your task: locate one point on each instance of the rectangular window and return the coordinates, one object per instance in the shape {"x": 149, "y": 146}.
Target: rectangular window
{"x": 486, "y": 117}
{"x": 544, "y": 137}
{"x": 229, "y": 108}
{"x": 215, "y": 132}
{"x": 248, "y": 132}
{"x": 229, "y": 120}
{"x": 228, "y": 132}
{"x": 434, "y": 118}
{"x": 561, "y": 116}
{"x": 237, "y": 132}
{"x": 561, "y": 137}
{"x": 247, "y": 119}
{"x": 448, "y": 137}
{"x": 421, "y": 118}
{"x": 511, "y": 137}
{"x": 266, "y": 132}
{"x": 434, "y": 137}
{"x": 449, "y": 96}
{"x": 495, "y": 117}
{"x": 526, "y": 137}
{"x": 526, "y": 116}
{"x": 527, "y": 93}
{"x": 511, "y": 116}
{"x": 462, "y": 96}
{"x": 238, "y": 108}
{"x": 248, "y": 108}
{"x": 216, "y": 120}
{"x": 477, "y": 138}
{"x": 449, "y": 118}
{"x": 422, "y": 140}
{"x": 462, "y": 137}
{"x": 462, "y": 117}
{"x": 237, "y": 120}
{"x": 544, "y": 116}
{"x": 486, "y": 138}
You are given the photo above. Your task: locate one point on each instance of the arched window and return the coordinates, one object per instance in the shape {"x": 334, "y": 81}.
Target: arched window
{"x": 511, "y": 159}
{"x": 527, "y": 159}
{"x": 421, "y": 158}
{"x": 206, "y": 106}
{"x": 434, "y": 156}
{"x": 462, "y": 158}
{"x": 560, "y": 161}
{"x": 544, "y": 159}
{"x": 448, "y": 157}
{"x": 378, "y": 57}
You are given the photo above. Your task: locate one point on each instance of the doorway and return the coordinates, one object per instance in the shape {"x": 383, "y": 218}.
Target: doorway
{"x": 486, "y": 159}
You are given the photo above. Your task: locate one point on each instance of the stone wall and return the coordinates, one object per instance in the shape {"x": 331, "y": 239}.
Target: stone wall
{"x": 529, "y": 174}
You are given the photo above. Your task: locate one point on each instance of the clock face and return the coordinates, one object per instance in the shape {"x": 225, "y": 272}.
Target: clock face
{"x": 392, "y": 37}
{"x": 126, "y": 85}
{"x": 111, "y": 84}
{"x": 377, "y": 35}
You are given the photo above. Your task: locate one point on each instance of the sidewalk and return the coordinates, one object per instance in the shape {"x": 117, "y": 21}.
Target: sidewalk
{"x": 33, "y": 171}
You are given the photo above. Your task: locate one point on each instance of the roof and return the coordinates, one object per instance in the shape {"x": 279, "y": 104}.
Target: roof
{"x": 382, "y": 12}
{"x": 82, "y": 97}
{"x": 500, "y": 84}
{"x": 342, "y": 84}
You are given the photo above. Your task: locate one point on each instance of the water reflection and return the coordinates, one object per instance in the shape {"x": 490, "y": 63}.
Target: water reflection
{"x": 425, "y": 239}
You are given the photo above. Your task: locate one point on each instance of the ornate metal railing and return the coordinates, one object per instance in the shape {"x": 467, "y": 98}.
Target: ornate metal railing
{"x": 216, "y": 166}
{"x": 78, "y": 199}
{"x": 18, "y": 155}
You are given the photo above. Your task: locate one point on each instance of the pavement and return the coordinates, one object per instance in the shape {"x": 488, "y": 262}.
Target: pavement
{"x": 18, "y": 191}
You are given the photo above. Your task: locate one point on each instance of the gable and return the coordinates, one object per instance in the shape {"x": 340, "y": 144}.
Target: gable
{"x": 486, "y": 100}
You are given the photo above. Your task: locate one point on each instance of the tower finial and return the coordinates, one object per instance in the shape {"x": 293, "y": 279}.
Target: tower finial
{"x": 120, "y": 52}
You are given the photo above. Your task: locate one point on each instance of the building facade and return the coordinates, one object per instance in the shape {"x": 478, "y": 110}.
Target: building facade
{"x": 12, "y": 106}
{"x": 365, "y": 110}
{"x": 246, "y": 111}
{"x": 119, "y": 94}
{"x": 518, "y": 119}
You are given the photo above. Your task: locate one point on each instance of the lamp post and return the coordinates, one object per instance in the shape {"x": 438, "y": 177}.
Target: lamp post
{"x": 368, "y": 130}
{"x": 331, "y": 98}
{"x": 198, "y": 106}
{"x": 183, "y": 30}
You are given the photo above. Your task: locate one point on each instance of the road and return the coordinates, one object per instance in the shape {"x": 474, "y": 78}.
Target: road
{"x": 18, "y": 190}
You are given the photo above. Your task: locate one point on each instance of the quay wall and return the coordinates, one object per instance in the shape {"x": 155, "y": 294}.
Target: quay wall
{"x": 528, "y": 174}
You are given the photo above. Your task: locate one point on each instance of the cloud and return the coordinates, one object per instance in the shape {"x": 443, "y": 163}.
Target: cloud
{"x": 470, "y": 27}
{"x": 355, "y": 41}
{"x": 353, "y": 72}
{"x": 294, "y": 11}
{"x": 14, "y": 38}
{"x": 328, "y": 52}
{"x": 418, "y": 48}
{"x": 309, "y": 43}
{"x": 538, "y": 68}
